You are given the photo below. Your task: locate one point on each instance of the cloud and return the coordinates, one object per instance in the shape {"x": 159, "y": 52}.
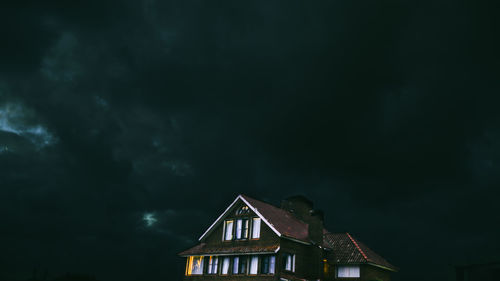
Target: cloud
{"x": 16, "y": 119}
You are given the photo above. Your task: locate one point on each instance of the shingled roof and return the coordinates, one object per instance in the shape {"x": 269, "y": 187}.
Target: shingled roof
{"x": 203, "y": 249}
{"x": 283, "y": 221}
{"x": 348, "y": 250}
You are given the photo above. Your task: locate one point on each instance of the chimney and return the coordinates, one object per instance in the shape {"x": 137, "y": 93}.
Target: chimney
{"x": 303, "y": 209}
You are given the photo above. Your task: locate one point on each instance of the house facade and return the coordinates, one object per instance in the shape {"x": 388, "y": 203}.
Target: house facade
{"x": 254, "y": 240}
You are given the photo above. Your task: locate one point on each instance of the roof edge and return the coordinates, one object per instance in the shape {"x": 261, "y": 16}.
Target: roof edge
{"x": 357, "y": 247}
{"x": 242, "y": 198}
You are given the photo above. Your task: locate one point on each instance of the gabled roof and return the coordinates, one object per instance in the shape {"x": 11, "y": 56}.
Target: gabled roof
{"x": 283, "y": 223}
{"x": 348, "y": 250}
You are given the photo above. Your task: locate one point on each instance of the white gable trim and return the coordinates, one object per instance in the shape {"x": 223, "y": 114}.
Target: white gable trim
{"x": 229, "y": 208}
{"x": 260, "y": 215}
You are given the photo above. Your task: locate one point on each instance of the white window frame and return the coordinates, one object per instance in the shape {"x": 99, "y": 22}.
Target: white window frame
{"x": 256, "y": 224}
{"x": 228, "y": 235}
{"x": 253, "y": 268}
{"x": 213, "y": 265}
{"x": 226, "y": 261}
{"x": 348, "y": 271}
{"x": 240, "y": 234}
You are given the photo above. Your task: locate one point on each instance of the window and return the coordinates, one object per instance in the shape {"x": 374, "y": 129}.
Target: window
{"x": 254, "y": 264}
{"x": 289, "y": 262}
{"x": 256, "y": 228}
{"x": 213, "y": 265}
{"x": 194, "y": 265}
{"x": 240, "y": 265}
{"x": 236, "y": 264}
{"x": 348, "y": 271}
{"x": 242, "y": 229}
{"x": 228, "y": 230}
{"x": 242, "y": 210}
{"x": 267, "y": 264}
{"x": 225, "y": 266}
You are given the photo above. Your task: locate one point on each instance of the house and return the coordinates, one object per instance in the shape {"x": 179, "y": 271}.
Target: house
{"x": 254, "y": 240}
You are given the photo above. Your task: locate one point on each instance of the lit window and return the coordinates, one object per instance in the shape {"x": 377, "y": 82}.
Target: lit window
{"x": 213, "y": 265}
{"x": 236, "y": 264}
{"x": 256, "y": 228}
{"x": 242, "y": 229}
{"x": 348, "y": 271}
{"x": 225, "y": 266}
{"x": 289, "y": 260}
{"x": 194, "y": 265}
{"x": 228, "y": 230}
{"x": 254, "y": 264}
{"x": 267, "y": 264}
{"x": 242, "y": 210}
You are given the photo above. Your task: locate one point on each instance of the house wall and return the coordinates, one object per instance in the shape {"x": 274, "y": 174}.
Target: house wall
{"x": 368, "y": 273}
{"x": 307, "y": 259}
{"x": 267, "y": 238}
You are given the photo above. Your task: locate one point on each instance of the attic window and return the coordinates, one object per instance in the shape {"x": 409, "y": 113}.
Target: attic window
{"x": 228, "y": 230}
{"x": 242, "y": 210}
{"x": 255, "y": 228}
{"x": 242, "y": 229}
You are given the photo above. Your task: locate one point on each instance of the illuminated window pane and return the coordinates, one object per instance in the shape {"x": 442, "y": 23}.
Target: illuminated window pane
{"x": 348, "y": 271}
{"x": 228, "y": 228}
{"x": 213, "y": 265}
{"x": 236, "y": 264}
{"x": 194, "y": 266}
{"x": 256, "y": 228}
{"x": 289, "y": 262}
{"x": 254, "y": 264}
{"x": 225, "y": 265}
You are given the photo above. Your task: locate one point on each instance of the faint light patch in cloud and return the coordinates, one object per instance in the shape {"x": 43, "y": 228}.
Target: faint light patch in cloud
{"x": 101, "y": 102}
{"x": 14, "y": 119}
{"x": 149, "y": 219}
{"x": 179, "y": 168}
{"x": 163, "y": 222}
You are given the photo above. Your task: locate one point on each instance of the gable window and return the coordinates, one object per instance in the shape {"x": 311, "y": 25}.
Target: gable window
{"x": 228, "y": 230}
{"x": 254, "y": 265}
{"x": 256, "y": 228}
{"x": 213, "y": 265}
{"x": 225, "y": 266}
{"x": 242, "y": 210}
{"x": 194, "y": 265}
{"x": 289, "y": 262}
{"x": 348, "y": 271}
{"x": 242, "y": 229}
{"x": 267, "y": 264}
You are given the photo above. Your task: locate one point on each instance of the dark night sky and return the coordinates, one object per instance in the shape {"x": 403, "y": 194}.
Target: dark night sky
{"x": 384, "y": 113}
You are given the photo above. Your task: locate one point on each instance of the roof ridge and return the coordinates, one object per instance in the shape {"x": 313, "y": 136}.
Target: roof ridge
{"x": 274, "y": 206}
{"x": 357, "y": 246}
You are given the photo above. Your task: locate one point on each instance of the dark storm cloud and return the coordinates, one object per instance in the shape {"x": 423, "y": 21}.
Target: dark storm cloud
{"x": 126, "y": 127}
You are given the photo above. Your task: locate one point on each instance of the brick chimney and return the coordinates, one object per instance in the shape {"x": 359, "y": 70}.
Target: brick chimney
{"x": 303, "y": 209}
